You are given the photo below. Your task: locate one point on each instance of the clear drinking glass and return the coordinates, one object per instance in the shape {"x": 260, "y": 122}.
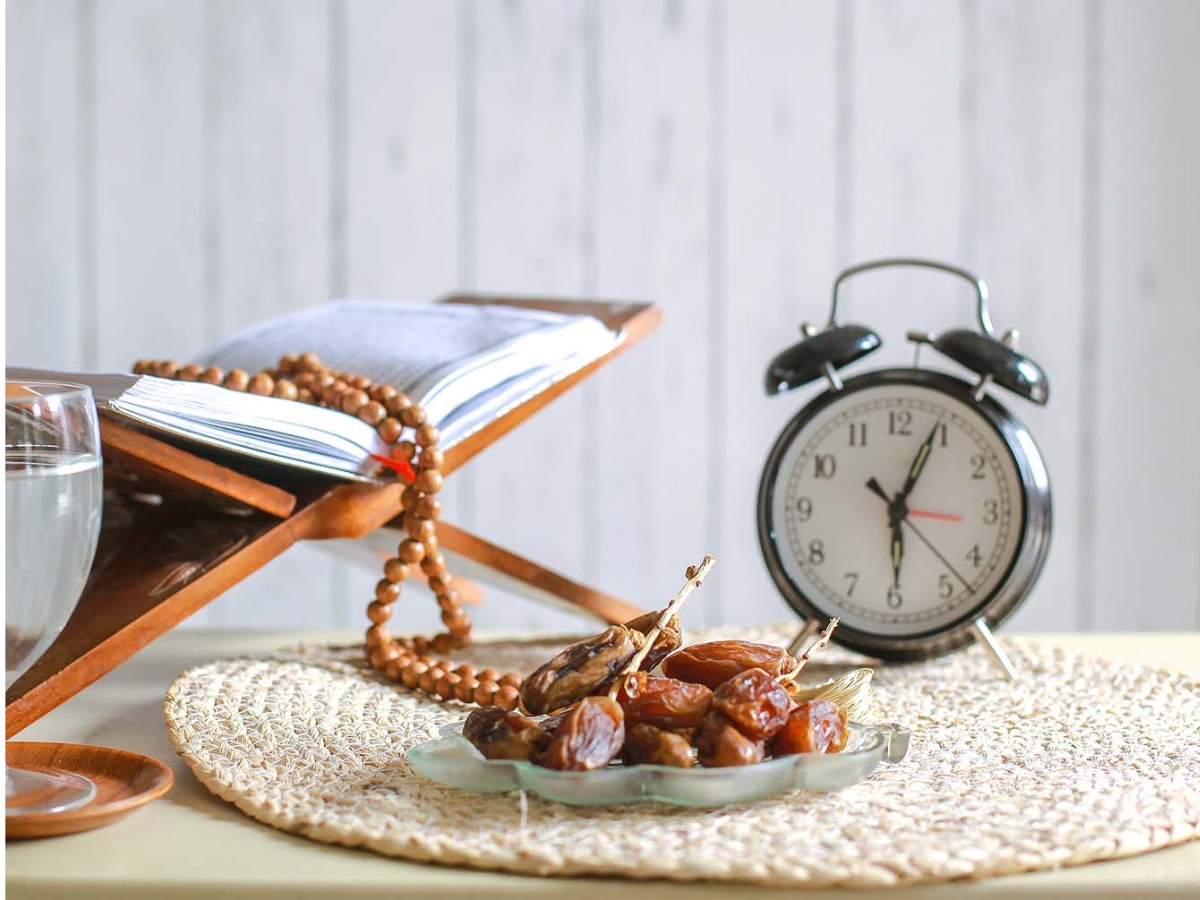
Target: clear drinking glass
{"x": 53, "y": 490}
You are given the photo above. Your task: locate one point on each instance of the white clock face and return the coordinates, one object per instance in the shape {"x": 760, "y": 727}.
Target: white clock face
{"x": 898, "y": 508}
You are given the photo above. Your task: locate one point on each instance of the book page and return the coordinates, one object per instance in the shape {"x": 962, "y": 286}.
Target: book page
{"x": 276, "y": 431}
{"x": 412, "y": 346}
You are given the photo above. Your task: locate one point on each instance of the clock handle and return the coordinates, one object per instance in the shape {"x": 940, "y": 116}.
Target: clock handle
{"x": 981, "y": 288}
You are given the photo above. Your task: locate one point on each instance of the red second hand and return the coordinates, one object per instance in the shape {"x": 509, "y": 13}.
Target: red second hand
{"x": 941, "y": 517}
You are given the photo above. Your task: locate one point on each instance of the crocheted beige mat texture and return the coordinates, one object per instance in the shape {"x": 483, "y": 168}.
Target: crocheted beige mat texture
{"x": 1081, "y": 760}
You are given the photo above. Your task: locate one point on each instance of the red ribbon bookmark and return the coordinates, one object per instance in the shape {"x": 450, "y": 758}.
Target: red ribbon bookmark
{"x": 397, "y": 465}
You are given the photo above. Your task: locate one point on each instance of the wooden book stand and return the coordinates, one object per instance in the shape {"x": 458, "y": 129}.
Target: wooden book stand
{"x": 179, "y": 530}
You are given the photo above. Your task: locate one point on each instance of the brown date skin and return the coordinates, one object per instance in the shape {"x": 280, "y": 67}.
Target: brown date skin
{"x": 590, "y": 737}
{"x": 756, "y": 703}
{"x": 714, "y": 663}
{"x": 663, "y": 702}
{"x": 647, "y": 745}
{"x": 550, "y": 723}
{"x": 720, "y": 744}
{"x": 580, "y": 669}
{"x": 668, "y": 641}
{"x": 817, "y": 726}
{"x": 500, "y": 734}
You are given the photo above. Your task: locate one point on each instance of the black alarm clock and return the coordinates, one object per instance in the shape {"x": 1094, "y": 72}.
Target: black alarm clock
{"x": 907, "y": 502}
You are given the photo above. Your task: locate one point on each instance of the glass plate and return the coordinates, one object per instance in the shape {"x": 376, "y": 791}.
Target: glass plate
{"x": 453, "y": 761}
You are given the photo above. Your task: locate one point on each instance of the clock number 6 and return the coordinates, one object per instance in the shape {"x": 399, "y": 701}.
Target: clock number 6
{"x": 894, "y": 597}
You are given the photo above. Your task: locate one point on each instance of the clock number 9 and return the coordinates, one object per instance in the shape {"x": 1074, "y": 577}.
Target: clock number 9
{"x": 804, "y": 508}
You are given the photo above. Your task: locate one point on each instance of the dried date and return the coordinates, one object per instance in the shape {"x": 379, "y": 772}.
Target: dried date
{"x": 550, "y": 723}
{"x": 756, "y": 703}
{"x": 720, "y": 744}
{"x": 663, "y": 702}
{"x": 580, "y": 669}
{"x": 817, "y": 726}
{"x": 589, "y": 737}
{"x": 500, "y": 734}
{"x": 715, "y": 662}
{"x": 647, "y": 745}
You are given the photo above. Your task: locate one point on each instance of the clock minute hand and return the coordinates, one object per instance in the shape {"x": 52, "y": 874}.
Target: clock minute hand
{"x": 918, "y": 464}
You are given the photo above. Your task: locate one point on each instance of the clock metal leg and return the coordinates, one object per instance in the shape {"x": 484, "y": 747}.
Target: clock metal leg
{"x": 803, "y": 636}
{"x": 984, "y": 636}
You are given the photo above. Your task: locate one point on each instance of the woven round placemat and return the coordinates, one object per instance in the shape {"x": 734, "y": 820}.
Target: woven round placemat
{"x": 1081, "y": 760}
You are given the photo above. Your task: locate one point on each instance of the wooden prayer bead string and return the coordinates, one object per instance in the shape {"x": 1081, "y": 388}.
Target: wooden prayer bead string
{"x": 390, "y": 412}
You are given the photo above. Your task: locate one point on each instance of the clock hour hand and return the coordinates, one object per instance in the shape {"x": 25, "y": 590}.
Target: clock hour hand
{"x": 876, "y": 488}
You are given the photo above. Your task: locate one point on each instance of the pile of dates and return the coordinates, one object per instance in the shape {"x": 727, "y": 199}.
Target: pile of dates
{"x": 715, "y": 704}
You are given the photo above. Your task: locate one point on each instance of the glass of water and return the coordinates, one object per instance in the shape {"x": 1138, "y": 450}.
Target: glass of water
{"x": 53, "y": 489}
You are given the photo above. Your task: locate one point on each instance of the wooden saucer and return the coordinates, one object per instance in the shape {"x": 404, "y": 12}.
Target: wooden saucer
{"x": 124, "y": 781}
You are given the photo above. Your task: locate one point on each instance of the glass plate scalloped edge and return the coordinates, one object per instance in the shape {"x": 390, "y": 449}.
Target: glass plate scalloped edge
{"x": 451, "y": 760}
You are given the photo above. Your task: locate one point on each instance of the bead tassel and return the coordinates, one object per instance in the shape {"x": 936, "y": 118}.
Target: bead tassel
{"x": 418, "y": 462}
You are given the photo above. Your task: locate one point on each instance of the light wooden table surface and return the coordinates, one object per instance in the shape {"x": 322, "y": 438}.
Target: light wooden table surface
{"x": 190, "y": 844}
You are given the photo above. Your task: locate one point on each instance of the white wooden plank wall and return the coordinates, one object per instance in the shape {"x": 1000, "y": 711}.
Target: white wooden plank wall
{"x": 651, "y": 220}
{"x": 778, "y": 226}
{"x": 1024, "y": 228}
{"x": 176, "y": 171}
{"x": 530, "y": 108}
{"x": 1146, "y": 477}
{"x": 268, "y": 243}
{"x": 44, "y": 201}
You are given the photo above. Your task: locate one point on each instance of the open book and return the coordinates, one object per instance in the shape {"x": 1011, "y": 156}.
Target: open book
{"x": 464, "y": 364}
